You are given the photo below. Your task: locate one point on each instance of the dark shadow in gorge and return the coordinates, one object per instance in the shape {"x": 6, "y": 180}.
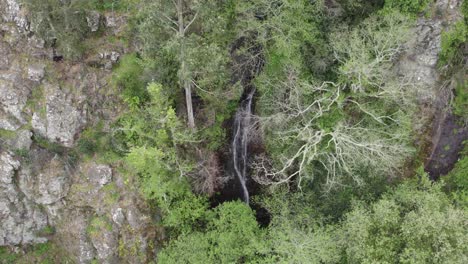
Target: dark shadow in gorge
{"x": 248, "y": 60}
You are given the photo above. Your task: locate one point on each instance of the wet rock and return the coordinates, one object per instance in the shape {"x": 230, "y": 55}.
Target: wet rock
{"x": 93, "y": 19}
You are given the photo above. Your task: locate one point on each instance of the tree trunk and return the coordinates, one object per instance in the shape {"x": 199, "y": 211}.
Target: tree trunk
{"x": 184, "y": 76}
{"x": 188, "y": 100}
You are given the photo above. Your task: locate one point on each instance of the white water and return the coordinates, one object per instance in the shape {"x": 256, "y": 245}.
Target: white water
{"x": 242, "y": 124}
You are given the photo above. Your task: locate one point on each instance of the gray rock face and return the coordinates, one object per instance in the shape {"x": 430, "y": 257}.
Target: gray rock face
{"x": 47, "y": 185}
{"x": 93, "y": 19}
{"x": 105, "y": 242}
{"x": 100, "y": 174}
{"x": 422, "y": 51}
{"x": 13, "y": 97}
{"x": 36, "y": 72}
{"x": 21, "y": 141}
{"x": 63, "y": 119}
{"x": 12, "y": 13}
{"x": 72, "y": 235}
{"x": 20, "y": 219}
{"x": 39, "y": 187}
{"x": 420, "y": 61}
{"x": 118, "y": 216}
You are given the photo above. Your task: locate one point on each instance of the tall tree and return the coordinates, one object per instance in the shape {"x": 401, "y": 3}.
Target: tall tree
{"x": 184, "y": 29}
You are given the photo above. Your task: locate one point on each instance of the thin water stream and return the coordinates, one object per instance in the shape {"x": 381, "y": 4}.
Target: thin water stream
{"x": 240, "y": 141}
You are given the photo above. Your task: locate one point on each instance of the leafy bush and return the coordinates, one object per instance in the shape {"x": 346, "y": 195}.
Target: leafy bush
{"x": 408, "y": 6}
{"x": 103, "y": 5}
{"x": 360, "y": 9}
{"x": 62, "y": 24}
{"x": 452, "y": 43}
{"x": 457, "y": 182}
{"x": 232, "y": 235}
{"x": 460, "y": 102}
{"x": 7, "y": 256}
{"x": 128, "y": 77}
{"x": 415, "y": 223}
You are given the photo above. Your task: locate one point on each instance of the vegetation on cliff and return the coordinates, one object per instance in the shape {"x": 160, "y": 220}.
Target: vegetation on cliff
{"x": 335, "y": 158}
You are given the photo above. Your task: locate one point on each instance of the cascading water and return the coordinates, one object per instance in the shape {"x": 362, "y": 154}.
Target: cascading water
{"x": 242, "y": 125}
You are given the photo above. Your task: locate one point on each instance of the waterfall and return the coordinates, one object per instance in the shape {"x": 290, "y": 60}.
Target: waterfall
{"x": 240, "y": 140}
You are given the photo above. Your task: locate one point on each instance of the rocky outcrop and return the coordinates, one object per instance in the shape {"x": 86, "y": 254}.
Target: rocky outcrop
{"x": 63, "y": 119}
{"x": 46, "y": 181}
{"x": 21, "y": 219}
{"x": 441, "y": 134}
{"x": 12, "y": 12}
{"x": 44, "y": 106}
{"x": 419, "y": 62}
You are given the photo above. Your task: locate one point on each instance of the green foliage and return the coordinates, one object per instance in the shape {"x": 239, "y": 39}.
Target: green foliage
{"x": 464, "y": 11}
{"x": 357, "y": 10}
{"x": 355, "y": 128}
{"x": 460, "y": 101}
{"x": 231, "y": 235}
{"x": 127, "y": 76}
{"x": 95, "y": 140}
{"x": 98, "y": 225}
{"x": 7, "y": 256}
{"x": 46, "y": 231}
{"x": 7, "y": 134}
{"x": 44, "y": 253}
{"x": 366, "y": 51}
{"x": 46, "y": 144}
{"x": 153, "y": 135}
{"x": 408, "y": 6}
{"x": 61, "y": 24}
{"x": 111, "y": 5}
{"x": 412, "y": 224}
{"x": 457, "y": 180}
{"x": 452, "y": 43}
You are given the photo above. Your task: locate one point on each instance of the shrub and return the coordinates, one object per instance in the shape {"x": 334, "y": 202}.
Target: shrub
{"x": 452, "y": 43}
{"x": 103, "y": 5}
{"x": 408, "y": 6}
{"x": 128, "y": 77}
{"x": 232, "y": 235}
{"x": 460, "y": 102}
{"x": 62, "y": 24}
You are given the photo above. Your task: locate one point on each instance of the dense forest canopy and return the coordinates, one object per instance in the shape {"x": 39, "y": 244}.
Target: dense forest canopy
{"x": 335, "y": 159}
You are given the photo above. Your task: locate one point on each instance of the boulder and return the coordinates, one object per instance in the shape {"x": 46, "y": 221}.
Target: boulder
{"x": 93, "y": 19}
{"x": 36, "y": 72}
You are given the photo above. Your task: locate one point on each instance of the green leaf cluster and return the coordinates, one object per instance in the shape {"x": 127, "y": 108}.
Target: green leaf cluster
{"x": 231, "y": 235}
{"x": 62, "y": 24}
{"x": 451, "y": 44}
{"x": 408, "y": 6}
